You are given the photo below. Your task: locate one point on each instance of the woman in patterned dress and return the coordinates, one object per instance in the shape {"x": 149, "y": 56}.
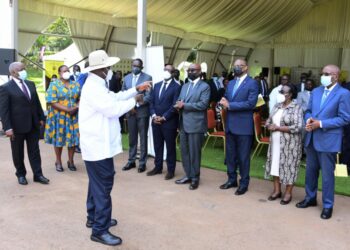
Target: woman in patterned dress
{"x": 285, "y": 150}
{"x": 61, "y": 128}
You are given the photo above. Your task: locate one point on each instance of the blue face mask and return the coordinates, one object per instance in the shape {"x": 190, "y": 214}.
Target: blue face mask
{"x": 22, "y": 74}
{"x": 136, "y": 70}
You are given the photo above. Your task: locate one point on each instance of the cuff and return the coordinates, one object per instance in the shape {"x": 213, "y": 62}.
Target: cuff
{"x": 320, "y": 124}
{"x": 9, "y": 130}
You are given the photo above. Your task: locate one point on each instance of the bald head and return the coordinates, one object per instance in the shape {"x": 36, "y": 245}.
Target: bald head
{"x": 194, "y": 71}
{"x": 16, "y": 67}
{"x": 333, "y": 71}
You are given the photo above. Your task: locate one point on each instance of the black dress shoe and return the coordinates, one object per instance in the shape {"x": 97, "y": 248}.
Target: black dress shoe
{"x": 154, "y": 171}
{"x": 274, "y": 197}
{"x": 71, "y": 166}
{"x": 169, "y": 176}
{"x": 89, "y": 223}
{"x": 241, "y": 191}
{"x": 22, "y": 180}
{"x": 41, "y": 179}
{"x": 194, "y": 184}
{"x": 228, "y": 185}
{"x": 59, "y": 167}
{"x": 107, "y": 239}
{"x": 326, "y": 213}
{"x": 305, "y": 204}
{"x": 129, "y": 166}
{"x": 141, "y": 169}
{"x": 183, "y": 180}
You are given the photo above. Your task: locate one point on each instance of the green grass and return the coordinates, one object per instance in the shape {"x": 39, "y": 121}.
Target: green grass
{"x": 213, "y": 157}
{"x": 37, "y": 77}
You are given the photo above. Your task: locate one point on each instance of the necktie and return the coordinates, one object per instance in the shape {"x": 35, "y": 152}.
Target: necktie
{"x": 324, "y": 97}
{"x": 189, "y": 90}
{"x": 217, "y": 84}
{"x": 134, "y": 81}
{"x": 24, "y": 90}
{"x": 235, "y": 87}
{"x": 162, "y": 91}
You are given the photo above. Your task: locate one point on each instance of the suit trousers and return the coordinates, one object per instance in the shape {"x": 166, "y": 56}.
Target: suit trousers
{"x": 99, "y": 202}
{"x": 191, "y": 153}
{"x": 238, "y": 149}
{"x": 138, "y": 126}
{"x": 167, "y": 135}
{"x": 314, "y": 162}
{"x": 17, "y": 147}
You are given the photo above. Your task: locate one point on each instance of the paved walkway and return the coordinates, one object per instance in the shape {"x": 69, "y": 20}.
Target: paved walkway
{"x": 156, "y": 214}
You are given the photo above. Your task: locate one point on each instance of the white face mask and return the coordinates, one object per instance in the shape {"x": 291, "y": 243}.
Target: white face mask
{"x": 166, "y": 75}
{"x": 326, "y": 80}
{"x": 281, "y": 98}
{"x": 109, "y": 75}
{"x": 66, "y": 75}
{"x": 22, "y": 74}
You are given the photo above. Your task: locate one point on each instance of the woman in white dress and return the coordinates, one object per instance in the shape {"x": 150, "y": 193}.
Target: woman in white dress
{"x": 285, "y": 150}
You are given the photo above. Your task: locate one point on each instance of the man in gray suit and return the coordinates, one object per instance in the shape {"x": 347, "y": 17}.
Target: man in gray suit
{"x": 304, "y": 96}
{"x": 138, "y": 118}
{"x": 192, "y": 104}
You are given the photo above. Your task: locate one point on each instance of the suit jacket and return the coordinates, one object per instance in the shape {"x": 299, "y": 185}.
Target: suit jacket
{"x": 213, "y": 91}
{"x": 334, "y": 115}
{"x": 239, "y": 118}
{"x": 16, "y": 111}
{"x": 142, "y": 110}
{"x": 193, "y": 116}
{"x": 165, "y": 105}
{"x": 115, "y": 85}
{"x": 263, "y": 88}
{"x": 303, "y": 99}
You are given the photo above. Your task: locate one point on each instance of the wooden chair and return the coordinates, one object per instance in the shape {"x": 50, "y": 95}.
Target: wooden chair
{"x": 260, "y": 139}
{"x": 212, "y": 126}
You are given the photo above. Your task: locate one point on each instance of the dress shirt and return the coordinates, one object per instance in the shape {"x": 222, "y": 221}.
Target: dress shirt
{"x": 330, "y": 90}
{"x": 99, "y": 112}
{"x": 166, "y": 86}
{"x": 19, "y": 84}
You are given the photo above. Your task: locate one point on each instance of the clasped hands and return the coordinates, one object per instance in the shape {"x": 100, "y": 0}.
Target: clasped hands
{"x": 179, "y": 105}
{"x": 158, "y": 119}
{"x": 312, "y": 124}
{"x": 273, "y": 127}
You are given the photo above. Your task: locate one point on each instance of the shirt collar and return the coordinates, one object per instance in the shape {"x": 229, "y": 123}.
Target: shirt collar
{"x": 242, "y": 78}
{"x": 16, "y": 80}
{"x": 97, "y": 79}
{"x": 330, "y": 90}
{"x": 195, "y": 80}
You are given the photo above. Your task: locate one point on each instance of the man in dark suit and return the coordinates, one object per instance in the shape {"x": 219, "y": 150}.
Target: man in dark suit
{"x": 192, "y": 104}
{"x": 21, "y": 115}
{"x": 301, "y": 86}
{"x": 240, "y": 100}
{"x": 215, "y": 88}
{"x": 177, "y": 77}
{"x": 138, "y": 118}
{"x": 327, "y": 113}
{"x": 165, "y": 122}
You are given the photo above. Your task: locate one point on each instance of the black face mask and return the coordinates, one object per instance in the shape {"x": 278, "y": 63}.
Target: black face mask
{"x": 309, "y": 89}
{"x": 237, "y": 71}
{"x": 192, "y": 76}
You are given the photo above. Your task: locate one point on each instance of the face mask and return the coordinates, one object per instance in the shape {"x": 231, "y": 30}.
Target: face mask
{"x": 326, "y": 80}
{"x": 66, "y": 75}
{"x": 136, "y": 70}
{"x": 192, "y": 76}
{"x": 166, "y": 75}
{"x": 308, "y": 89}
{"x": 109, "y": 75}
{"x": 77, "y": 73}
{"x": 215, "y": 78}
{"x": 53, "y": 79}
{"x": 237, "y": 71}
{"x": 22, "y": 74}
{"x": 281, "y": 98}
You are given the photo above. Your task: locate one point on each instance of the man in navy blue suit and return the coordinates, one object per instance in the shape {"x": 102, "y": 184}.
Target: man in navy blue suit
{"x": 239, "y": 100}
{"x": 165, "y": 122}
{"x": 327, "y": 113}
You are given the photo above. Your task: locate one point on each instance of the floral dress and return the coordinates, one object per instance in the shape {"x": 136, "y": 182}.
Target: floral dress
{"x": 62, "y": 128}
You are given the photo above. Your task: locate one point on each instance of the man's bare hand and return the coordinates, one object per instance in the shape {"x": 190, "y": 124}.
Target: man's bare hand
{"x": 312, "y": 124}
{"x": 179, "y": 105}
{"x": 144, "y": 86}
{"x": 272, "y": 127}
{"x": 139, "y": 99}
{"x": 10, "y": 134}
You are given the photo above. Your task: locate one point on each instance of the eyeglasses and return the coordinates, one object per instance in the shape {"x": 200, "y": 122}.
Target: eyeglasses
{"x": 283, "y": 92}
{"x": 241, "y": 66}
{"x": 192, "y": 70}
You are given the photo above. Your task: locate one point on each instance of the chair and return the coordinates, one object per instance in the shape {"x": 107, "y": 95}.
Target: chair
{"x": 212, "y": 126}
{"x": 260, "y": 139}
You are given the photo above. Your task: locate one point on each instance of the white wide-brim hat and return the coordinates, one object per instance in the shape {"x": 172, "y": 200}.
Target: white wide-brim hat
{"x": 99, "y": 59}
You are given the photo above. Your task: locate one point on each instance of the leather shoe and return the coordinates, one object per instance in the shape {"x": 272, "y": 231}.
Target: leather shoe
{"x": 142, "y": 168}
{"x": 305, "y": 204}
{"x": 228, "y": 185}
{"x": 107, "y": 239}
{"x": 326, "y": 213}
{"x": 89, "y": 223}
{"x": 272, "y": 197}
{"x": 285, "y": 202}
{"x": 169, "y": 176}
{"x": 194, "y": 184}
{"x": 241, "y": 190}
{"x": 22, "y": 180}
{"x": 129, "y": 166}
{"x": 41, "y": 179}
{"x": 154, "y": 171}
{"x": 183, "y": 180}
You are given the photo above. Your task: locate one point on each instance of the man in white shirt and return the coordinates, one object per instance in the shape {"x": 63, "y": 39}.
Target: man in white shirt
{"x": 100, "y": 140}
{"x": 274, "y": 93}
{"x": 304, "y": 96}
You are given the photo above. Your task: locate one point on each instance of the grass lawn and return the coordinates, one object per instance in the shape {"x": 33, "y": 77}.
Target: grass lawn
{"x": 213, "y": 157}
{"x": 37, "y": 77}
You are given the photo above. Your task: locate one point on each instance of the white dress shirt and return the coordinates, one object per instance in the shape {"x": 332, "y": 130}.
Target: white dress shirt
{"x": 99, "y": 112}
{"x": 241, "y": 79}
{"x": 19, "y": 84}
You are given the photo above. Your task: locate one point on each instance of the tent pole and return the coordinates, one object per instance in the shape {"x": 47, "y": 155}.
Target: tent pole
{"x": 174, "y": 50}
{"x": 215, "y": 61}
{"x": 141, "y": 29}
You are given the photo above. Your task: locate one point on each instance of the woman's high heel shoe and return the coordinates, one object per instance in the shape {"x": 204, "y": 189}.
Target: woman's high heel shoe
{"x": 71, "y": 166}
{"x": 284, "y": 202}
{"x": 59, "y": 167}
{"x": 272, "y": 198}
